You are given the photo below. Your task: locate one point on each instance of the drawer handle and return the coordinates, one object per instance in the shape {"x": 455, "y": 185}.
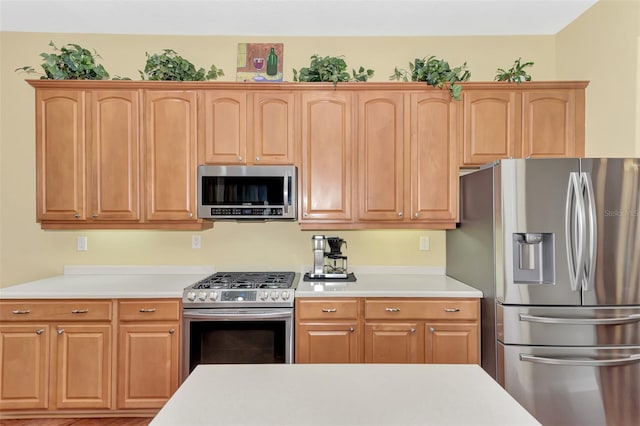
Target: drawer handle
{"x": 329, "y": 310}
{"x": 452, "y": 309}
{"x": 39, "y": 331}
{"x": 19, "y": 312}
{"x": 79, "y": 311}
{"x": 392, "y": 309}
{"x": 143, "y": 310}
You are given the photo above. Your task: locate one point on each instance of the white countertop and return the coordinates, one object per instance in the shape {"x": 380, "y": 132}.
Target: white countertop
{"x": 111, "y": 282}
{"x": 341, "y": 394}
{"x": 80, "y": 282}
{"x": 389, "y": 285}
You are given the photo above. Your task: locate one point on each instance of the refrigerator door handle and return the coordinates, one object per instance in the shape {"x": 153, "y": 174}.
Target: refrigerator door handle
{"x": 574, "y": 221}
{"x": 590, "y": 261}
{"x": 581, "y": 321}
{"x": 581, "y": 362}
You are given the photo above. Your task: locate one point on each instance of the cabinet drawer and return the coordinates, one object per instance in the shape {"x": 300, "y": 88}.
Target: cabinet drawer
{"x": 450, "y": 309}
{"x": 149, "y": 310}
{"x": 326, "y": 309}
{"x": 68, "y": 310}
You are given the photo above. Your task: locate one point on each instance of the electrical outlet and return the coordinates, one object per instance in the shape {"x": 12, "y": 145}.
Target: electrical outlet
{"x": 81, "y": 244}
{"x": 424, "y": 243}
{"x": 195, "y": 241}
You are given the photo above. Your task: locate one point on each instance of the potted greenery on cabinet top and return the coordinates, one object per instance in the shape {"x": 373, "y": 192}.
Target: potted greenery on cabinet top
{"x": 515, "y": 74}
{"x": 330, "y": 69}
{"x": 435, "y": 72}
{"x": 168, "y": 65}
{"x": 70, "y": 62}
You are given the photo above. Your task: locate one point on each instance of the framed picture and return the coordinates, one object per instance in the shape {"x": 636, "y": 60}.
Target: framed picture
{"x": 260, "y": 62}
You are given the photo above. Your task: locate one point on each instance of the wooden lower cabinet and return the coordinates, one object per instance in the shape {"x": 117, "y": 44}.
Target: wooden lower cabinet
{"x": 148, "y": 352}
{"x": 395, "y": 330}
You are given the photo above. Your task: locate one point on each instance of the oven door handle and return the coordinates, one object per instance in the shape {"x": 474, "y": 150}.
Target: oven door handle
{"x": 235, "y": 314}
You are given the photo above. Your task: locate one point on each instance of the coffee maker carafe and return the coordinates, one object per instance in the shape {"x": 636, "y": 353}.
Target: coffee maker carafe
{"x": 329, "y": 263}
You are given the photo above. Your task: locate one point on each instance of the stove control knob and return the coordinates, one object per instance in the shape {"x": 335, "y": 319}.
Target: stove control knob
{"x": 284, "y": 295}
{"x": 264, "y": 295}
{"x": 191, "y": 296}
{"x": 274, "y": 295}
{"x": 213, "y": 295}
{"x": 202, "y": 295}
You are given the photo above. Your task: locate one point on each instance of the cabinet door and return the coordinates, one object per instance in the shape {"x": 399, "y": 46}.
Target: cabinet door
{"x": 273, "y": 128}
{"x": 452, "y": 343}
{"x": 433, "y": 165}
{"x": 491, "y": 123}
{"x": 380, "y": 156}
{"x": 114, "y": 181}
{"x": 148, "y": 362}
{"x": 60, "y": 155}
{"x": 327, "y": 158}
{"x": 83, "y": 366}
{"x": 549, "y": 123}
{"x": 170, "y": 155}
{"x": 225, "y": 127}
{"x": 392, "y": 342}
{"x": 24, "y": 362}
{"x": 327, "y": 342}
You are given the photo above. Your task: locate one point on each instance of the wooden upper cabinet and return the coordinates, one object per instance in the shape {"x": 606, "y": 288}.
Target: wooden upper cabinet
{"x": 171, "y": 155}
{"x": 225, "y": 127}
{"x": 550, "y": 124}
{"x": 433, "y": 164}
{"x": 326, "y": 176}
{"x": 381, "y": 156}
{"x": 60, "y": 155}
{"x": 543, "y": 120}
{"x": 114, "y": 156}
{"x": 273, "y": 125}
{"x": 491, "y": 126}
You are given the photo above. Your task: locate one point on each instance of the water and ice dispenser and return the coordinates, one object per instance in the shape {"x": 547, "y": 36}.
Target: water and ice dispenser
{"x": 533, "y": 258}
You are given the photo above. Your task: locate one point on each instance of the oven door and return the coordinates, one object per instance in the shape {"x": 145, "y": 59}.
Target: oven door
{"x": 237, "y": 336}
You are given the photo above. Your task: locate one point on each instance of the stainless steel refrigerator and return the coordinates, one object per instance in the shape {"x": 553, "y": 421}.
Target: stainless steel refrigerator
{"x": 554, "y": 245}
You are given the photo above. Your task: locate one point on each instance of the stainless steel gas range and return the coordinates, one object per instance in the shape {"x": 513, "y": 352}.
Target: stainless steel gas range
{"x": 239, "y": 318}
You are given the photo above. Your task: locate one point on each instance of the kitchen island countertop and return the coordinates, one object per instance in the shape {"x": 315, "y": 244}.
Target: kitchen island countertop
{"x": 341, "y": 394}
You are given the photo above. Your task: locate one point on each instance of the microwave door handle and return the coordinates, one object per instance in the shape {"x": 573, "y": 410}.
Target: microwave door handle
{"x": 286, "y": 181}
{"x": 581, "y": 362}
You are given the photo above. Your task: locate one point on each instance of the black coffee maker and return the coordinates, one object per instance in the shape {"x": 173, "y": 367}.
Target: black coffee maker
{"x": 328, "y": 263}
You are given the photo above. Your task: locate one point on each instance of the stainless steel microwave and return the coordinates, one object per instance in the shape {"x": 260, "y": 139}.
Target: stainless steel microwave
{"x": 247, "y": 192}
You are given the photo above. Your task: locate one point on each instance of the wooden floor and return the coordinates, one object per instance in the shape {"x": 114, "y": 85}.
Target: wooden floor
{"x": 112, "y": 421}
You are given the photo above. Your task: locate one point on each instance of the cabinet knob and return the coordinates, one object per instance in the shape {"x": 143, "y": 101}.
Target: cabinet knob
{"x": 60, "y": 331}
{"x": 257, "y": 158}
{"x": 400, "y": 214}
{"x": 190, "y": 214}
{"x": 77, "y": 215}
{"x": 305, "y": 214}
{"x": 431, "y": 329}
{"x": 94, "y": 216}
{"x": 351, "y": 329}
{"x": 412, "y": 330}
{"x": 239, "y": 157}
{"x": 172, "y": 330}
{"x": 417, "y": 215}
{"x": 40, "y": 331}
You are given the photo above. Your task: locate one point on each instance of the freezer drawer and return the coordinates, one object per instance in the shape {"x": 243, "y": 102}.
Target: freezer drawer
{"x": 573, "y": 386}
{"x": 568, "y": 326}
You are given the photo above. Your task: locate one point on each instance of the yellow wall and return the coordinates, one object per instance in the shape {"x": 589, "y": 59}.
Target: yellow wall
{"x": 28, "y": 253}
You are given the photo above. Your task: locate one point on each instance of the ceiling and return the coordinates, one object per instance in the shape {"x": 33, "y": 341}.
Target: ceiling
{"x": 293, "y": 17}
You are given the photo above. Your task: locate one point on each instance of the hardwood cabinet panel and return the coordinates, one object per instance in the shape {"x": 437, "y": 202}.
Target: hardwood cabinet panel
{"x": 148, "y": 362}
{"x": 114, "y": 181}
{"x": 273, "y": 124}
{"x": 46, "y": 310}
{"x": 549, "y": 123}
{"x": 24, "y": 362}
{"x": 171, "y": 155}
{"x": 225, "y": 124}
{"x": 381, "y": 153}
{"x": 452, "y": 343}
{"x": 327, "y": 309}
{"x": 149, "y": 310}
{"x": 326, "y": 176}
{"x": 335, "y": 342}
{"x": 83, "y": 365}
{"x": 60, "y": 155}
{"x": 392, "y": 342}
